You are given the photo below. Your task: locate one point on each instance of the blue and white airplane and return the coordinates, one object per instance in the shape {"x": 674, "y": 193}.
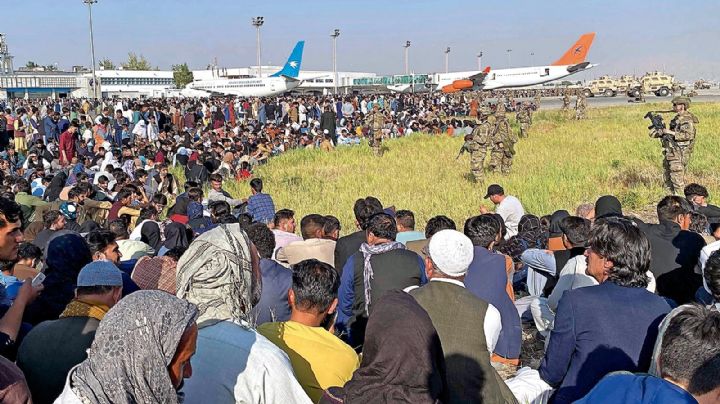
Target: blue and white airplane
{"x": 278, "y": 83}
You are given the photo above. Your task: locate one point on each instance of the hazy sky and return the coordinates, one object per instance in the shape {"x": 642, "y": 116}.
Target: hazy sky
{"x": 633, "y": 36}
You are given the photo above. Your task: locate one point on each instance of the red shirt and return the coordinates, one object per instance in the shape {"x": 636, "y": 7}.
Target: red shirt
{"x": 67, "y": 144}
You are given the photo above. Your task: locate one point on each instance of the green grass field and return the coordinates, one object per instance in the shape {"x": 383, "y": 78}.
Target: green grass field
{"x": 562, "y": 164}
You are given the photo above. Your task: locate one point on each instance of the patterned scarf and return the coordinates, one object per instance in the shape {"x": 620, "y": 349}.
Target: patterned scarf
{"x": 79, "y": 308}
{"x": 368, "y": 251}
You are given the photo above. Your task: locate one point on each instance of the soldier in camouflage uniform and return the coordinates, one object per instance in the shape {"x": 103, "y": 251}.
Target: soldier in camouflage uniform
{"x": 375, "y": 120}
{"x": 524, "y": 119}
{"x": 580, "y": 106}
{"x": 479, "y": 142}
{"x": 566, "y": 101}
{"x": 503, "y": 147}
{"x": 677, "y": 142}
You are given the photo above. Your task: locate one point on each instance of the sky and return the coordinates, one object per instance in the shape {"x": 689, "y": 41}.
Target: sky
{"x": 633, "y": 36}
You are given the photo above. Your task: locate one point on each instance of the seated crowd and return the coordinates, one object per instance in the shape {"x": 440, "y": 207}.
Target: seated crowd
{"x": 204, "y": 302}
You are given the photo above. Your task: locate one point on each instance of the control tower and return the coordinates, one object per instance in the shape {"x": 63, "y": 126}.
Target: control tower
{"x": 6, "y": 60}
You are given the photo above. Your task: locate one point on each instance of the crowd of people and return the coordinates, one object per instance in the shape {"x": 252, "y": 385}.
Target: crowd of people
{"x": 123, "y": 283}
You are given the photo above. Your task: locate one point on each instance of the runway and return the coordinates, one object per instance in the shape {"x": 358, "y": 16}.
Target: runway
{"x": 602, "y": 101}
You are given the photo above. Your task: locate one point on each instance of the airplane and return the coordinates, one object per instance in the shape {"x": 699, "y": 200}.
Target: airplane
{"x": 573, "y": 61}
{"x": 280, "y": 82}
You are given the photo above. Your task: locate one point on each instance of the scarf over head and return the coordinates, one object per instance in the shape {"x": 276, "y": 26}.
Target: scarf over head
{"x": 607, "y": 205}
{"x": 368, "y": 251}
{"x": 555, "y": 219}
{"x": 150, "y": 234}
{"x": 402, "y": 357}
{"x": 175, "y": 236}
{"x": 156, "y": 273}
{"x": 133, "y": 347}
{"x": 215, "y": 273}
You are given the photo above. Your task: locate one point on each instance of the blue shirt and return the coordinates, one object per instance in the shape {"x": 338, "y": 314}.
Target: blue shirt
{"x": 405, "y": 236}
{"x": 261, "y": 208}
{"x": 625, "y": 387}
{"x": 273, "y": 304}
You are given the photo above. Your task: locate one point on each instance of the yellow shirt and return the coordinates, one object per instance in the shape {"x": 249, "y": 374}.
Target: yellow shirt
{"x": 320, "y": 359}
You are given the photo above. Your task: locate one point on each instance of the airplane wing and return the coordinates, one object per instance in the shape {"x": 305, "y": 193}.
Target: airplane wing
{"x": 471, "y": 83}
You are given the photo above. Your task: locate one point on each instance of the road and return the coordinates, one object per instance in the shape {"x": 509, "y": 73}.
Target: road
{"x": 556, "y": 102}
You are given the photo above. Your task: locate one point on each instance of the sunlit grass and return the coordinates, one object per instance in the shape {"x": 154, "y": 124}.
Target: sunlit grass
{"x": 562, "y": 164}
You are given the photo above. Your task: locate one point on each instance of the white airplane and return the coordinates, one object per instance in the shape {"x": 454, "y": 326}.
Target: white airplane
{"x": 282, "y": 81}
{"x": 573, "y": 61}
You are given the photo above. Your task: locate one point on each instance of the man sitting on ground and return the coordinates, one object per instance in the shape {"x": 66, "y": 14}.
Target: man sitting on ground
{"x": 319, "y": 358}
{"x": 405, "y": 220}
{"x": 312, "y": 245}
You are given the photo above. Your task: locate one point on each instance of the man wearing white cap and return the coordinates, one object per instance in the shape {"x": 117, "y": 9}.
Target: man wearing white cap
{"x": 456, "y": 314}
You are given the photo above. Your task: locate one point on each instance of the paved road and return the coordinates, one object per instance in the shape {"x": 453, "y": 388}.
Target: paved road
{"x": 556, "y": 103}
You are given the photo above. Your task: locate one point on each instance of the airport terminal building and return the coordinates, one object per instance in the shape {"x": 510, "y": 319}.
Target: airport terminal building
{"x": 149, "y": 83}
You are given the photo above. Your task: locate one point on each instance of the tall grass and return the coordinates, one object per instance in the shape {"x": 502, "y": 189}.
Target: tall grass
{"x": 562, "y": 164}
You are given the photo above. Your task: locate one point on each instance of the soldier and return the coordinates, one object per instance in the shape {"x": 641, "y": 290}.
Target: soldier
{"x": 580, "y": 106}
{"x": 375, "y": 120}
{"x": 566, "y": 101}
{"x": 524, "y": 119}
{"x": 503, "y": 144}
{"x": 677, "y": 142}
{"x": 537, "y": 99}
{"x": 478, "y": 144}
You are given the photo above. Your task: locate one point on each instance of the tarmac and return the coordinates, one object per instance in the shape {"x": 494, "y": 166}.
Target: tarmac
{"x": 620, "y": 100}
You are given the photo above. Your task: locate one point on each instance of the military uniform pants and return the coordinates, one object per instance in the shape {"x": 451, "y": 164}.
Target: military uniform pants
{"x": 377, "y": 147}
{"x": 500, "y": 161}
{"x": 674, "y": 175}
{"x": 580, "y": 113}
{"x": 477, "y": 158}
{"x": 524, "y": 128}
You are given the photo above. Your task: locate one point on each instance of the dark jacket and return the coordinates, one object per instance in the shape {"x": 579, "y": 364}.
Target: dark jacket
{"x": 50, "y": 350}
{"x": 396, "y": 269}
{"x": 327, "y": 122}
{"x": 459, "y": 318}
{"x": 598, "y": 330}
{"x": 675, "y": 253}
{"x": 486, "y": 278}
{"x": 347, "y": 246}
{"x": 623, "y": 387}
{"x": 273, "y": 304}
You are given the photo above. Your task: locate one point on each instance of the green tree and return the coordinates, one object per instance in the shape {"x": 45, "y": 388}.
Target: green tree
{"x": 136, "y": 63}
{"x": 107, "y": 64}
{"x": 182, "y": 75}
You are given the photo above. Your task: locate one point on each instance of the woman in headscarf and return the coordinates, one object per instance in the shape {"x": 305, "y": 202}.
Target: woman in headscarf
{"x": 156, "y": 273}
{"x": 148, "y": 229}
{"x": 179, "y": 212}
{"x": 555, "y": 242}
{"x": 66, "y": 254}
{"x": 52, "y": 192}
{"x": 176, "y": 235}
{"x": 141, "y": 353}
{"x": 197, "y": 220}
{"x": 402, "y": 357}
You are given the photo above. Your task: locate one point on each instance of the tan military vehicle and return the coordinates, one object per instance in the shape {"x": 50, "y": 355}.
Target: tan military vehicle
{"x": 603, "y": 85}
{"x": 702, "y": 85}
{"x": 657, "y": 83}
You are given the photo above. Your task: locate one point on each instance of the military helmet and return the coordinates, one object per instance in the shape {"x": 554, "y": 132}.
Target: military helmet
{"x": 681, "y": 100}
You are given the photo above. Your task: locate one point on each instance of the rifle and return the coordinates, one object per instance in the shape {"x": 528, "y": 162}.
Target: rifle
{"x": 464, "y": 148}
{"x": 657, "y": 124}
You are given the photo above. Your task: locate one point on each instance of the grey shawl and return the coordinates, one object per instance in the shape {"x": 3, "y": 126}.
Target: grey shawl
{"x": 215, "y": 273}
{"x": 133, "y": 347}
{"x": 368, "y": 251}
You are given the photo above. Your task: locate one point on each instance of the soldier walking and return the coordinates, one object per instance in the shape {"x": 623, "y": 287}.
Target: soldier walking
{"x": 479, "y": 141}
{"x": 503, "y": 147}
{"x": 524, "y": 119}
{"x": 537, "y": 99}
{"x": 580, "y": 106}
{"x": 375, "y": 120}
{"x": 566, "y": 101}
{"x": 677, "y": 142}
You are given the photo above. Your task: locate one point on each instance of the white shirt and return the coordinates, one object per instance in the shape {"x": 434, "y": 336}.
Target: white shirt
{"x": 235, "y": 364}
{"x": 511, "y": 211}
{"x": 492, "y": 325}
{"x": 704, "y": 255}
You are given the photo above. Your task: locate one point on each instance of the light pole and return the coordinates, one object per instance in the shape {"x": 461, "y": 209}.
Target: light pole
{"x": 447, "y": 59}
{"x": 508, "y": 55}
{"x": 407, "y": 53}
{"x": 92, "y": 47}
{"x": 479, "y": 58}
{"x": 257, "y": 22}
{"x": 334, "y": 36}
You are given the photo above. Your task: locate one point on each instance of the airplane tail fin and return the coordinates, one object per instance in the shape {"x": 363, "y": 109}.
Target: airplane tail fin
{"x": 292, "y": 66}
{"x": 577, "y": 53}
